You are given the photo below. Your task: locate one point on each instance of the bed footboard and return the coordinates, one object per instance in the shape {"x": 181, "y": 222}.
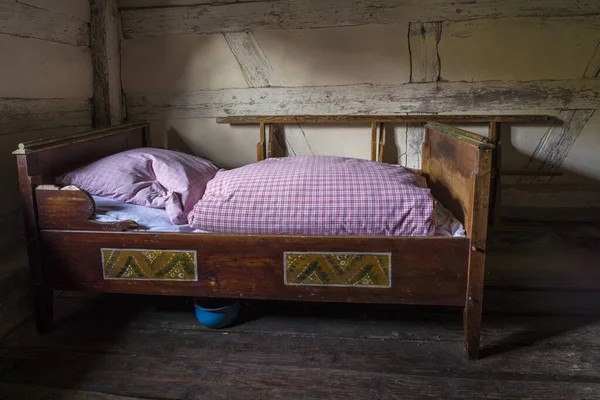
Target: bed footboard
{"x": 458, "y": 168}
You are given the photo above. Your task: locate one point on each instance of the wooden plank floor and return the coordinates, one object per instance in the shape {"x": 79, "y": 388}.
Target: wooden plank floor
{"x": 114, "y": 347}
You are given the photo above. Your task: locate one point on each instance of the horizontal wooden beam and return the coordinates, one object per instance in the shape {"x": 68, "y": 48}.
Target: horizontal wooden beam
{"x": 432, "y": 97}
{"x": 295, "y": 14}
{"x": 294, "y": 119}
{"x": 531, "y": 173}
{"x": 551, "y": 195}
{"x": 22, "y": 20}
{"x": 20, "y": 115}
{"x": 124, "y": 4}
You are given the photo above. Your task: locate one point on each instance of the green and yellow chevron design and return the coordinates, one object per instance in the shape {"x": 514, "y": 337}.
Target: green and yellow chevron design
{"x": 127, "y": 264}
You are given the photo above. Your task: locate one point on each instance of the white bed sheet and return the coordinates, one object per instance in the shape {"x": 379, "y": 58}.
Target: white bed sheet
{"x": 156, "y": 220}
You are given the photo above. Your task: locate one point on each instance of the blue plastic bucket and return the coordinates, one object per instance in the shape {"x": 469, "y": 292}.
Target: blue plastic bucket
{"x": 217, "y": 316}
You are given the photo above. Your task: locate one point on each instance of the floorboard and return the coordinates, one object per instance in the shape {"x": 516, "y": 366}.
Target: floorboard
{"x": 122, "y": 347}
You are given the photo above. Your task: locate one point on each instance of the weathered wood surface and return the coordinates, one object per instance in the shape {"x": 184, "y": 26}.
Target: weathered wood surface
{"x": 26, "y": 21}
{"x": 415, "y": 135}
{"x": 121, "y": 346}
{"x": 106, "y": 60}
{"x": 75, "y": 8}
{"x": 285, "y": 119}
{"x": 24, "y": 391}
{"x": 162, "y": 3}
{"x": 556, "y": 143}
{"x": 593, "y": 68}
{"x": 549, "y": 196}
{"x": 15, "y": 296}
{"x": 48, "y": 158}
{"x": 19, "y": 115}
{"x": 258, "y": 72}
{"x": 277, "y": 145}
{"x": 477, "y": 227}
{"x": 290, "y": 14}
{"x": 423, "y": 40}
{"x": 203, "y": 378}
{"x": 45, "y": 144}
{"x": 252, "y": 60}
{"x": 468, "y": 97}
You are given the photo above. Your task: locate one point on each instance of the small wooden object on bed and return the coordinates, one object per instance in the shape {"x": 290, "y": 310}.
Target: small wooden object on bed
{"x": 67, "y": 251}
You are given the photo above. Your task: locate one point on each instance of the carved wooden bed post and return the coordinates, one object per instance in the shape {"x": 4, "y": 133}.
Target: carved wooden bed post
{"x": 43, "y": 293}
{"x": 477, "y": 231}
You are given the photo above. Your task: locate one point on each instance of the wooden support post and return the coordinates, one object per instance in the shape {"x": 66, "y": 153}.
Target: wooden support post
{"x": 260, "y": 146}
{"x": 276, "y": 146}
{"x": 476, "y": 226}
{"x": 374, "y": 140}
{"x": 43, "y": 293}
{"x": 494, "y": 137}
{"x": 104, "y": 44}
{"x": 381, "y": 141}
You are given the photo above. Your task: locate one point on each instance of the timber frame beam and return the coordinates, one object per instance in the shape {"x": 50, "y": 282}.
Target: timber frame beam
{"x": 106, "y": 60}
{"x": 317, "y": 119}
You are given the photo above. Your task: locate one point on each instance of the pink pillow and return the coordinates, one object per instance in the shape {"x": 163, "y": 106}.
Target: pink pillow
{"x": 149, "y": 177}
{"x": 317, "y": 195}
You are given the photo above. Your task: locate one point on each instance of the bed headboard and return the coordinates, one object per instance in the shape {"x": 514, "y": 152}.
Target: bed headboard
{"x": 46, "y": 158}
{"x": 458, "y": 167}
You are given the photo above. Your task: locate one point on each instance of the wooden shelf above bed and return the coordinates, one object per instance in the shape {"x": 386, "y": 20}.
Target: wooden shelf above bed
{"x": 291, "y": 119}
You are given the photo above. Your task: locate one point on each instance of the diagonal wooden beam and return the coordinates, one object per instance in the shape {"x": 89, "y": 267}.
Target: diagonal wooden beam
{"x": 252, "y": 60}
{"x": 258, "y": 73}
{"x": 593, "y": 68}
{"x": 556, "y": 143}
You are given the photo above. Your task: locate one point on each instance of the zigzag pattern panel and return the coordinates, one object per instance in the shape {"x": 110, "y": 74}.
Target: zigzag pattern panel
{"x": 142, "y": 264}
{"x": 338, "y": 269}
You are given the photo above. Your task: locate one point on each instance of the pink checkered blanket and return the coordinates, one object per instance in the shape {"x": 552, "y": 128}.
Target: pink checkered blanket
{"x": 317, "y": 195}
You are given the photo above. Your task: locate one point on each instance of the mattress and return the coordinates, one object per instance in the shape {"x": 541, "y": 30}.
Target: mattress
{"x": 156, "y": 219}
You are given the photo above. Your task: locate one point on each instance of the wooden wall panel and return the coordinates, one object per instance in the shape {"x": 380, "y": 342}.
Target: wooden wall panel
{"x": 46, "y": 85}
{"x": 293, "y": 14}
{"x": 376, "y": 54}
{"x": 23, "y": 20}
{"x": 179, "y": 63}
{"x": 18, "y": 115}
{"x": 52, "y": 70}
{"x": 518, "y": 48}
{"x": 431, "y": 57}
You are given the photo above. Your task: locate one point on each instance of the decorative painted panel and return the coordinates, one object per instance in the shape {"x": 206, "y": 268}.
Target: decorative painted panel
{"x": 142, "y": 264}
{"x": 369, "y": 270}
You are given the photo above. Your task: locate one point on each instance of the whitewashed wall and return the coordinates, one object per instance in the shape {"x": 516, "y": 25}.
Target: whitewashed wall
{"x": 184, "y": 65}
{"x": 45, "y": 84}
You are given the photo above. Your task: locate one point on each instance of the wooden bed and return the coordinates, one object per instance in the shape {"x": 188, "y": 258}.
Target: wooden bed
{"x": 67, "y": 251}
